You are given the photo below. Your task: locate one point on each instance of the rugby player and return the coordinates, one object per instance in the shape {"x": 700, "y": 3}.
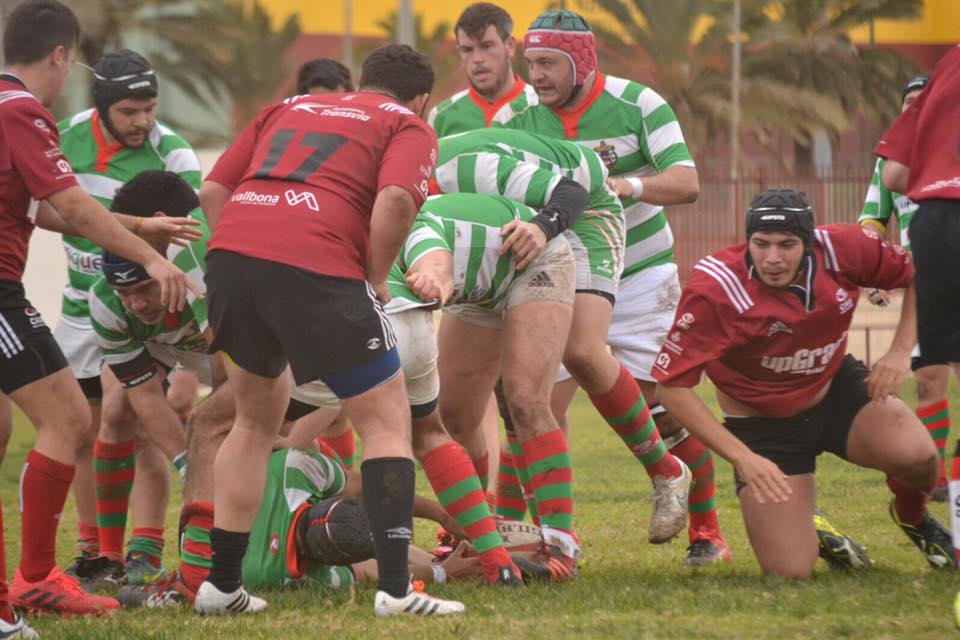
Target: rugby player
{"x": 550, "y": 175}
{"x": 932, "y": 372}
{"x": 317, "y": 195}
{"x": 767, "y": 322}
{"x": 107, "y": 146}
{"x": 323, "y": 75}
{"x": 485, "y": 42}
{"x": 39, "y": 44}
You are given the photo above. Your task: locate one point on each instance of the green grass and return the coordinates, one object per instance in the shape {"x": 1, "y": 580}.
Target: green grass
{"x": 627, "y": 588}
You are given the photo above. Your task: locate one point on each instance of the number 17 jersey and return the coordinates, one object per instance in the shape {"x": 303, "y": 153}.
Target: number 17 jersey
{"x": 305, "y": 173}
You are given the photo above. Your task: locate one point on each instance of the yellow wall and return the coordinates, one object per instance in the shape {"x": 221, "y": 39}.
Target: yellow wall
{"x": 940, "y": 23}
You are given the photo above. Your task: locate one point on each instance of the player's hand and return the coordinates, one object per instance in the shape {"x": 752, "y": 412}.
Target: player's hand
{"x": 887, "y": 374}
{"x": 765, "y": 479}
{"x": 167, "y": 230}
{"x": 382, "y": 292}
{"x": 459, "y": 568}
{"x": 524, "y": 239}
{"x": 430, "y": 285}
{"x": 621, "y": 187}
{"x": 281, "y": 442}
{"x": 878, "y": 298}
{"x": 174, "y": 284}
{"x": 446, "y": 521}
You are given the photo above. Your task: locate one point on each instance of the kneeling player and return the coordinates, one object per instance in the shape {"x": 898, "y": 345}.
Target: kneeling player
{"x": 767, "y": 322}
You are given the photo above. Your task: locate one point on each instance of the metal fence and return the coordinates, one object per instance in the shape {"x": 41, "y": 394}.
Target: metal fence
{"x": 715, "y": 220}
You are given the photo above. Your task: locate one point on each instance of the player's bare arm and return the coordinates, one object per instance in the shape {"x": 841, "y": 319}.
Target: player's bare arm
{"x": 161, "y": 228}
{"x": 767, "y": 480}
{"x": 676, "y": 185}
{"x": 213, "y": 197}
{"x": 888, "y": 372}
{"x": 431, "y": 277}
{"x": 393, "y": 214}
{"x": 157, "y": 417}
{"x": 89, "y": 216}
{"x": 895, "y": 176}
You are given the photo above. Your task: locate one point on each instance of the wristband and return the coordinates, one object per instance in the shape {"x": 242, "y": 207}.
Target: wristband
{"x": 439, "y": 574}
{"x": 637, "y": 185}
{"x": 136, "y": 225}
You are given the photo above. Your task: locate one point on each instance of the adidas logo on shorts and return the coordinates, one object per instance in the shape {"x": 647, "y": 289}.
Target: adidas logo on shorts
{"x": 541, "y": 280}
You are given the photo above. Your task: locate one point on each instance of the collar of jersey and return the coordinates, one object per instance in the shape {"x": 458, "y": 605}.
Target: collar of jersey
{"x": 490, "y": 109}
{"x": 804, "y": 291}
{"x": 570, "y": 119}
{"x": 9, "y": 77}
{"x": 105, "y": 150}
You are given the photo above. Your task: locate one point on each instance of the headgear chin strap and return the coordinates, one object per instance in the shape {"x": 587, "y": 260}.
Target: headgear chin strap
{"x": 120, "y": 272}
{"x": 568, "y": 34}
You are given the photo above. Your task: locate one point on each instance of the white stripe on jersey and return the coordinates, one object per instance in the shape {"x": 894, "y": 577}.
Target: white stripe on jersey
{"x": 7, "y": 96}
{"x": 728, "y": 281}
{"x": 831, "y": 257}
{"x": 99, "y": 186}
{"x": 180, "y": 160}
{"x": 485, "y": 173}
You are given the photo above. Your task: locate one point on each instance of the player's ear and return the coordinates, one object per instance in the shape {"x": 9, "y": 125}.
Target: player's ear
{"x": 419, "y": 104}
{"x": 511, "y": 43}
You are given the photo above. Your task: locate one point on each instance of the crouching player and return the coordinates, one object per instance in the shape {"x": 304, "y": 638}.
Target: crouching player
{"x": 767, "y": 321}
{"x": 141, "y": 343}
{"x": 310, "y": 527}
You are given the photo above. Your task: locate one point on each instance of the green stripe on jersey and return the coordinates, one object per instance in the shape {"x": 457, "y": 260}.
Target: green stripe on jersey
{"x": 636, "y": 133}
{"x": 459, "y": 113}
{"x": 163, "y": 150}
{"x": 880, "y": 203}
{"x": 467, "y": 225}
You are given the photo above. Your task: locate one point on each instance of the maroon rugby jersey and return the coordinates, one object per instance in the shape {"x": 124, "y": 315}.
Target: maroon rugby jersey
{"x": 774, "y": 349}
{"x": 32, "y": 168}
{"x": 305, "y": 174}
{"x": 926, "y": 137}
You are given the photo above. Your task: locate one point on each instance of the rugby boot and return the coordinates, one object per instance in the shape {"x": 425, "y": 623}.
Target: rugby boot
{"x": 78, "y": 565}
{"x": 168, "y": 591}
{"x": 706, "y": 547}
{"x": 140, "y": 571}
{"x": 670, "y": 495}
{"x": 931, "y": 537}
{"x": 16, "y": 629}
{"x": 548, "y": 564}
{"x": 101, "y": 575}
{"x": 58, "y": 593}
{"x": 210, "y": 601}
{"x": 840, "y": 551}
{"x": 415, "y": 603}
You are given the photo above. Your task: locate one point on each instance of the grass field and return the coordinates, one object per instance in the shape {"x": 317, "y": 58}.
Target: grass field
{"x": 627, "y": 588}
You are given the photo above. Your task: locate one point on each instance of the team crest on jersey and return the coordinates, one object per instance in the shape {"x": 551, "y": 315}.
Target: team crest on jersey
{"x": 607, "y": 153}
{"x": 778, "y": 327}
{"x": 274, "y": 544}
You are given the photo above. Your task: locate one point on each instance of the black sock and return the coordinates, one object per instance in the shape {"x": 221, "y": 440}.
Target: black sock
{"x": 388, "y": 487}
{"x": 227, "y": 549}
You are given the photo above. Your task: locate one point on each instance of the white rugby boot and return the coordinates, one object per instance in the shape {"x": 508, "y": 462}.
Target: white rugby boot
{"x": 670, "y": 495}
{"x": 211, "y": 601}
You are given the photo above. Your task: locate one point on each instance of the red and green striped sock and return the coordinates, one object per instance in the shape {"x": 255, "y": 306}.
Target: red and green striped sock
{"x": 148, "y": 541}
{"x": 196, "y": 521}
{"x": 113, "y": 472}
{"x": 88, "y": 539}
{"x": 523, "y": 474}
{"x": 345, "y": 446}
{"x": 625, "y": 410}
{"x": 936, "y": 418}
{"x": 482, "y": 466}
{"x": 510, "y": 502}
{"x": 547, "y": 459}
{"x": 455, "y": 481}
{"x": 703, "y": 503}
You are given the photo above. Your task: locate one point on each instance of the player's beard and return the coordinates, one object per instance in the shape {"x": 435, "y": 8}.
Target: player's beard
{"x": 503, "y": 76}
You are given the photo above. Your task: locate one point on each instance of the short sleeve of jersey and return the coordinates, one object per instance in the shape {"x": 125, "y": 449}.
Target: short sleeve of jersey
{"x": 864, "y": 257}
{"x": 878, "y": 205}
{"x": 409, "y": 159}
{"x": 426, "y": 236}
{"x": 234, "y": 162}
{"x": 897, "y": 143}
{"x": 36, "y": 153}
{"x": 665, "y": 145}
{"x": 696, "y": 338}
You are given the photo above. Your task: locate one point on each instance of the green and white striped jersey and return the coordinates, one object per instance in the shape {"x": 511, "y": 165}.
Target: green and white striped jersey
{"x": 467, "y": 110}
{"x": 522, "y": 166}
{"x": 296, "y": 479}
{"x": 880, "y": 203}
{"x": 468, "y": 226}
{"x": 635, "y": 133}
{"x": 101, "y": 169}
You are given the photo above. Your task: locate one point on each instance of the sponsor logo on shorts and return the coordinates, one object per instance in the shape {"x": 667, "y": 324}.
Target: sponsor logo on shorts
{"x": 33, "y": 317}
{"x": 252, "y": 197}
{"x": 307, "y": 198}
{"x": 778, "y": 327}
{"x": 541, "y": 280}
{"x": 274, "y": 544}
{"x": 685, "y": 321}
{"x": 373, "y": 344}
{"x": 607, "y": 153}
{"x": 805, "y": 361}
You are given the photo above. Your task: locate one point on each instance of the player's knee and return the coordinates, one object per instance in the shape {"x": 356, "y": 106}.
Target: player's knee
{"x": 581, "y": 361}
{"x": 787, "y": 569}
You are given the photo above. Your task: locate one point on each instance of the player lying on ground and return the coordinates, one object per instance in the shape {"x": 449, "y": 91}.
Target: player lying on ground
{"x": 310, "y": 525}
{"x": 767, "y": 322}
{"x": 550, "y": 175}
{"x": 468, "y": 230}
